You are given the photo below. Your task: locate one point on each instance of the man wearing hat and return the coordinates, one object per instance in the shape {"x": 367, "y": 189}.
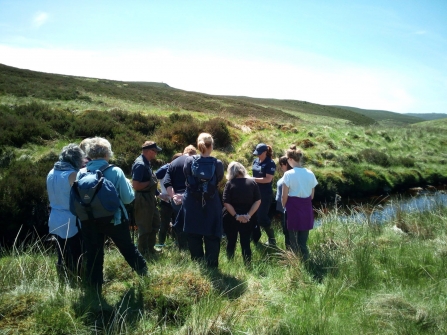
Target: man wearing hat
{"x": 146, "y": 213}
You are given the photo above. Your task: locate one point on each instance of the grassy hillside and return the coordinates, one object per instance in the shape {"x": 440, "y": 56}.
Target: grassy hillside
{"x": 428, "y": 116}
{"x": 434, "y": 124}
{"x": 386, "y": 116}
{"x": 351, "y": 156}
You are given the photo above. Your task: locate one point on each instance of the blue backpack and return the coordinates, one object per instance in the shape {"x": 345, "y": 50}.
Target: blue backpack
{"x": 203, "y": 176}
{"x": 93, "y": 196}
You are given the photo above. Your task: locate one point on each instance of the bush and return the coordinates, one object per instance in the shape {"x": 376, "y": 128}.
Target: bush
{"x": 376, "y": 157}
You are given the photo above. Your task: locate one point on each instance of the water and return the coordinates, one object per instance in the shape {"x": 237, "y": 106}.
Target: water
{"x": 385, "y": 209}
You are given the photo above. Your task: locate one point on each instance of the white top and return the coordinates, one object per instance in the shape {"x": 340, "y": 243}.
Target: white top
{"x": 300, "y": 182}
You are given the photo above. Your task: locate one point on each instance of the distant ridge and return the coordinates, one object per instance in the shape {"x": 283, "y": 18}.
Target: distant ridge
{"x": 428, "y": 116}
{"x": 381, "y": 115}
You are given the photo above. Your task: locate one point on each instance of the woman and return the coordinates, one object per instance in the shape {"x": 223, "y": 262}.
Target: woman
{"x": 94, "y": 231}
{"x": 203, "y": 210}
{"x": 62, "y": 224}
{"x": 263, "y": 169}
{"x": 284, "y": 166}
{"x": 297, "y": 194}
{"x": 241, "y": 199}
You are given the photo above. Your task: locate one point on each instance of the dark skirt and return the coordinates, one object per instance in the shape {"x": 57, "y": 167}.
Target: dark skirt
{"x": 300, "y": 215}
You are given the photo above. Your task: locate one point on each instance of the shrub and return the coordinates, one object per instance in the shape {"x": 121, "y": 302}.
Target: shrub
{"x": 376, "y": 157}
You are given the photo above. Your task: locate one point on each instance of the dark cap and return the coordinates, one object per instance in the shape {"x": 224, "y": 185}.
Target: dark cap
{"x": 151, "y": 145}
{"x": 260, "y": 148}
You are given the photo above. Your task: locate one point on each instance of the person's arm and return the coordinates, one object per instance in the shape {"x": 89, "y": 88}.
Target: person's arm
{"x": 253, "y": 209}
{"x": 72, "y": 178}
{"x": 140, "y": 185}
{"x": 313, "y": 193}
{"x": 264, "y": 180}
{"x": 285, "y": 195}
{"x": 123, "y": 187}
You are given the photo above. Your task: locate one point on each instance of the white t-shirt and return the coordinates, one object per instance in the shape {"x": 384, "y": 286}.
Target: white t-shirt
{"x": 300, "y": 182}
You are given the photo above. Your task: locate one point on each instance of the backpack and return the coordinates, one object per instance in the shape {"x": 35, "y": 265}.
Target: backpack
{"x": 203, "y": 178}
{"x": 93, "y": 196}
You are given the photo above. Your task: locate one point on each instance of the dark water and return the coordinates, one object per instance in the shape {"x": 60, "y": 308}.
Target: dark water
{"x": 383, "y": 209}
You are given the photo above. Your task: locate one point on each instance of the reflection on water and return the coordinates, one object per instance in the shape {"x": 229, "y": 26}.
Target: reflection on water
{"x": 384, "y": 209}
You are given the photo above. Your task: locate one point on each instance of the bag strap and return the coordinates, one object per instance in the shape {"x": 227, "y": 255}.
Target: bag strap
{"x": 103, "y": 168}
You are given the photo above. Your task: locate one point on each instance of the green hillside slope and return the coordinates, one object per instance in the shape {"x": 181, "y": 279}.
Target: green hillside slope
{"x": 428, "y": 116}
{"x": 379, "y": 115}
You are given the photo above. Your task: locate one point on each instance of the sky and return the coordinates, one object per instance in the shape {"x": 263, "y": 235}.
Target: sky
{"x": 372, "y": 54}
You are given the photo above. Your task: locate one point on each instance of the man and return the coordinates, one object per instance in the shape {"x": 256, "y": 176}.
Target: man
{"x": 146, "y": 213}
{"x": 175, "y": 183}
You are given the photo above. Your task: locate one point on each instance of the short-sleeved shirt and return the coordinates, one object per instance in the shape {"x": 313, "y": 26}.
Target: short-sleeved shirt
{"x": 141, "y": 169}
{"x": 241, "y": 193}
{"x": 300, "y": 182}
{"x": 261, "y": 169}
{"x": 175, "y": 176}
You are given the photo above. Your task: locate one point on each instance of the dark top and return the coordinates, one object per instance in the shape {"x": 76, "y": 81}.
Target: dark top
{"x": 161, "y": 172}
{"x": 141, "y": 169}
{"x": 175, "y": 176}
{"x": 260, "y": 170}
{"x": 241, "y": 193}
{"x": 204, "y": 218}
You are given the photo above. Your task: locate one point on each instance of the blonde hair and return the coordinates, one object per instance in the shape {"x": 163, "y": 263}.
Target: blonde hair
{"x": 295, "y": 153}
{"x": 190, "y": 150}
{"x": 204, "y": 141}
{"x": 236, "y": 169}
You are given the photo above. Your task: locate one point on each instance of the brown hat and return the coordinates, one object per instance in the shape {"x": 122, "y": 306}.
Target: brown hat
{"x": 151, "y": 145}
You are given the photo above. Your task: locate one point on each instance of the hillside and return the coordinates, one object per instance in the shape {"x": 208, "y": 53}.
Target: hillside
{"x": 379, "y": 115}
{"x": 428, "y": 116}
{"x": 433, "y": 124}
{"x": 24, "y": 83}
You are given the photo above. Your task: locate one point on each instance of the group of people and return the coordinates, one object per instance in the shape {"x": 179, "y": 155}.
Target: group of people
{"x": 187, "y": 200}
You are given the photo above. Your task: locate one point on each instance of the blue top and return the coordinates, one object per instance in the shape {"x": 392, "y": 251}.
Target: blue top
{"x": 161, "y": 172}
{"x": 61, "y": 222}
{"x": 260, "y": 170}
{"x": 279, "y": 206}
{"x": 122, "y": 185}
{"x": 175, "y": 176}
{"x": 141, "y": 169}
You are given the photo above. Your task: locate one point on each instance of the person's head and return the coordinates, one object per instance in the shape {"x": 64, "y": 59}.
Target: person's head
{"x": 294, "y": 153}
{"x": 263, "y": 150}
{"x": 177, "y": 155}
{"x": 99, "y": 148}
{"x": 149, "y": 150}
{"x": 190, "y": 150}
{"x": 205, "y": 142}
{"x": 284, "y": 164}
{"x": 84, "y": 143}
{"x": 236, "y": 170}
{"x": 73, "y": 155}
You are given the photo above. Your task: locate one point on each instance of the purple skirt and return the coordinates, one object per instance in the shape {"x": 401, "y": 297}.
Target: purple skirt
{"x": 300, "y": 215}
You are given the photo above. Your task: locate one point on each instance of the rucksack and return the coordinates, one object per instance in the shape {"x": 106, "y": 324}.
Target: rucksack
{"x": 93, "y": 196}
{"x": 203, "y": 177}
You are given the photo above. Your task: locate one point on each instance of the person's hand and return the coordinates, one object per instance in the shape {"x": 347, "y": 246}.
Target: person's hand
{"x": 164, "y": 197}
{"x": 242, "y": 219}
{"x": 178, "y": 198}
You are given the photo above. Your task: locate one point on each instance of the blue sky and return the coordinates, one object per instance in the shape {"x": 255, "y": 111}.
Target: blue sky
{"x": 389, "y": 55}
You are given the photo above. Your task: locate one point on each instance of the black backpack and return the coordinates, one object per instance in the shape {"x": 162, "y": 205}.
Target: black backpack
{"x": 93, "y": 196}
{"x": 203, "y": 177}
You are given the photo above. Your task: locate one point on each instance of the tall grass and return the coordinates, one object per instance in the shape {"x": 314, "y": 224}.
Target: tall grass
{"x": 362, "y": 278}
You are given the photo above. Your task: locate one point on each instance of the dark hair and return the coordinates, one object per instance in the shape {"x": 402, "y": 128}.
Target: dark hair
{"x": 295, "y": 153}
{"x": 72, "y": 154}
{"x": 177, "y": 155}
{"x": 283, "y": 161}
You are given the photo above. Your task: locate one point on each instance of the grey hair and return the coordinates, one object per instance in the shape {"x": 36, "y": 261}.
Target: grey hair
{"x": 99, "y": 147}
{"x": 236, "y": 169}
{"x": 72, "y": 154}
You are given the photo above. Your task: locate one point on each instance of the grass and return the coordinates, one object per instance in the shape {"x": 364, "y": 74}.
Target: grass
{"x": 361, "y": 279}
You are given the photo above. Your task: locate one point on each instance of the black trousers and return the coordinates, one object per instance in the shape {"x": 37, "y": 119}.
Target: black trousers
{"x": 212, "y": 249}
{"x": 69, "y": 253}
{"x": 94, "y": 233}
{"x": 166, "y": 216}
{"x": 232, "y": 228}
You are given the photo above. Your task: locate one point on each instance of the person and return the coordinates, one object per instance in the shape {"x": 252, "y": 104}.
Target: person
{"x": 297, "y": 193}
{"x": 175, "y": 184}
{"x": 166, "y": 210}
{"x": 263, "y": 170}
{"x": 241, "y": 198}
{"x": 284, "y": 166}
{"x": 144, "y": 182}
{"x": 62, "y": 223}
{"x": 94, "y": 231}
{"x": 83, "y": 145}
{"x": 202, "y": 213}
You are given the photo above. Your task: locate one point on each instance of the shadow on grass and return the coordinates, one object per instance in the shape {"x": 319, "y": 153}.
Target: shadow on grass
{"x": 225, "y": 284}
{"x": 96, "y": 311}
{"x": 320, "y": 264}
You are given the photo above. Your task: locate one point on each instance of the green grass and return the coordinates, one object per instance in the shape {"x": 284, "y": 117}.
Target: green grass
{"x": 361, "y": 279}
